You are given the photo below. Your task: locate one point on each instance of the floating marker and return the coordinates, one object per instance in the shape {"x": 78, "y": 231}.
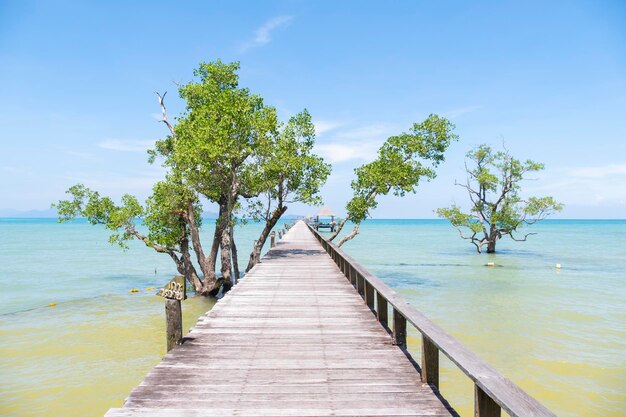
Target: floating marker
{"x": 491, "y": 264}
{"x": 149, "y": 288}
{"x": 52, "y": 304}
{"x": 134, "y": 290}
{"x": 558, "y": 266}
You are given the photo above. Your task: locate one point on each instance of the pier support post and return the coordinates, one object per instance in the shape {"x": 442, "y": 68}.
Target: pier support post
{"x": 174, "y": 293}
{"x": 381, "y": 311}
{"x": 484, "y": 406}
{"x": 430, "y": 362}
{"x": 399, "y": 329}
{"x": 272, "y": 239}
{"x": 369, "y": 295}
{"x": 173, "y": 323}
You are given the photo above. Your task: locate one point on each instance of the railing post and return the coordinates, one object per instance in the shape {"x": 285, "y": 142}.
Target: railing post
{"x": 381, "y": 313}
{"x": 353, "y": 276}
{"x": 399, "y": 329}
{"x": 360, "y": 284}
{"x": 369, "y": 295}
{"x": 273, "y": 239}
{"x": 430, "y": 362}
{"x": 484, "y": 405}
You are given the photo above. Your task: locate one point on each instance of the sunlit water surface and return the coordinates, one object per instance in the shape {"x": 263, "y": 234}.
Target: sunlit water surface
{"x": 559, "y": 334}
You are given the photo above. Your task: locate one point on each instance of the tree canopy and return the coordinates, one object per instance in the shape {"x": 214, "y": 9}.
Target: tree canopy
{"x": 226, "y": 146}
{"x": 497, "y": 207}
{"x": 288, "y": 171}
{"x": 403, "y": 161}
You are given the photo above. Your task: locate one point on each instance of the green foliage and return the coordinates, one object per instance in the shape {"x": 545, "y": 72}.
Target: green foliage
{"x": 497, "y": 208}
{"x": 101, "y": 210}
{"x": 403, "y": 161}
{"x": 164, "y": 213}
{"x": 222, "y": 127}
{"x": 287, "y": 168}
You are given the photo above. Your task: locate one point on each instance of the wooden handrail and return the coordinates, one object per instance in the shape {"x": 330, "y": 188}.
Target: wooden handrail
{"x": 493, "y": 391}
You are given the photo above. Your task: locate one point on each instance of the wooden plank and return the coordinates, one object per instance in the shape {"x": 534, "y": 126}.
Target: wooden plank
{"x": 293, "y": 338}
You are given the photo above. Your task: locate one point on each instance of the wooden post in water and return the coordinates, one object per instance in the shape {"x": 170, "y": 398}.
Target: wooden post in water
{"x": 369, "y": 295}
{"x": 173, "y": 323}
{"x": 174, "y": 293}
{"x": 273, "y": 239}
{"x": 430, "y": 362}
{"x": 484, "y": 405}
{"x": 399, "y": 329}
{"x": 381, "y": 312}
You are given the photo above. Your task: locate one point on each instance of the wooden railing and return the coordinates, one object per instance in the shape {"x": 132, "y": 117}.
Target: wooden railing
{"x": 492, "y": 393}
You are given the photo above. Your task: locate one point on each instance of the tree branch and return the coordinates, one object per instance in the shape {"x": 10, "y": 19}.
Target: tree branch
{"x": 165, "y": 120}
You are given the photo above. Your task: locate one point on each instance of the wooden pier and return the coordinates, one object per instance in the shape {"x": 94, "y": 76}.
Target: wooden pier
{"x": 296, "y": 338}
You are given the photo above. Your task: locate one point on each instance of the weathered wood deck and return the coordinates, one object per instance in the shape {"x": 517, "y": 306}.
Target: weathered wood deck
{"x": 294, "y": 338}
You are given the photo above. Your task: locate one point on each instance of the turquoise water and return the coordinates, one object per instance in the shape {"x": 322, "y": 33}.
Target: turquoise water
{"x": 560, "y": 334}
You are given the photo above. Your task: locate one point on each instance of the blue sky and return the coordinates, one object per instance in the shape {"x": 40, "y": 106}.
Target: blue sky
{"x": 77, "y": 84}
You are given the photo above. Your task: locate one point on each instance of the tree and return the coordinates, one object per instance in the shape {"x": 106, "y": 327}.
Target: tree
{"x": 212, "y": 148}
{"x": 288, "y": 172}
{"x": 164, "y": 215}
{"x": 497, "y": 209}
{"x": 402, "y": 162}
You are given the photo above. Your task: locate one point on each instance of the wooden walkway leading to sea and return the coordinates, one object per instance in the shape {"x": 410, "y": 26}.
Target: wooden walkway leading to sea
{"x": 295, "y": 338}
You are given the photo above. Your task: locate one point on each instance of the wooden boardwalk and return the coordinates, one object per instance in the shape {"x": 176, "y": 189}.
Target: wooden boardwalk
{"x": 294, "y": 338}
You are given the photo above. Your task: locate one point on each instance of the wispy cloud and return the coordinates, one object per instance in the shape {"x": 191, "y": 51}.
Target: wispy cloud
{"x": 377, "y": 131}
{"x": 324, "y": 126}
{"x": 126, "y": 145}
{"x": 599, "y": 171}
{"x": 454, "y": 113}
{"x": 263, "y": 35}
{"x": 584, "y": 186}
{"x": 354, "y": 143}
{"x": 341, "y": 152}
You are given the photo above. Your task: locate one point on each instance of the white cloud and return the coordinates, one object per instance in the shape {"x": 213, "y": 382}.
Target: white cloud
{"x": 599, "y": 172}
{"x": 340, "y": 152}
{"x": 126, "y": 145}
{"x": 451, "y": 114}
{"x": 323, "y": 126}
{"x": 263, "y": 35}
{"x": 379, "y": 132}
{"x": 583, "y": 186}
{"x": 355, "y": 143}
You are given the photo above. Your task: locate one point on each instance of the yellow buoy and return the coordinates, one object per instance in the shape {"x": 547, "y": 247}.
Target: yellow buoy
{"x": 134, "y": 290}
{"x": 491, "y": 264}
{"x": 149, "y": 288}
{"x": 52, "y": 304}
{"x": 558, "y": 266}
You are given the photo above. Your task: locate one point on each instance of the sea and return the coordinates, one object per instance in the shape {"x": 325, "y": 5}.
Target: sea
{"x": 75, "y": 339}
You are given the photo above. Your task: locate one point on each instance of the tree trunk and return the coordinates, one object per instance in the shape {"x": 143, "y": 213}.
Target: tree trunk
{"x": 209, "y": 281}
{"x": 187, "y": 269}
{"x": 350, "y": 235}
{"x": 258, "y": 245}
{"x": 225, "y": 257}
{"x": 339, "y": 227}
{"x": 493, "y": 238}
{"x": 236, "y": 275}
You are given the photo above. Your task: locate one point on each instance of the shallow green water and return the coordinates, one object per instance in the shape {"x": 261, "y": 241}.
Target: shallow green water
{"x": 560, "y": 334}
